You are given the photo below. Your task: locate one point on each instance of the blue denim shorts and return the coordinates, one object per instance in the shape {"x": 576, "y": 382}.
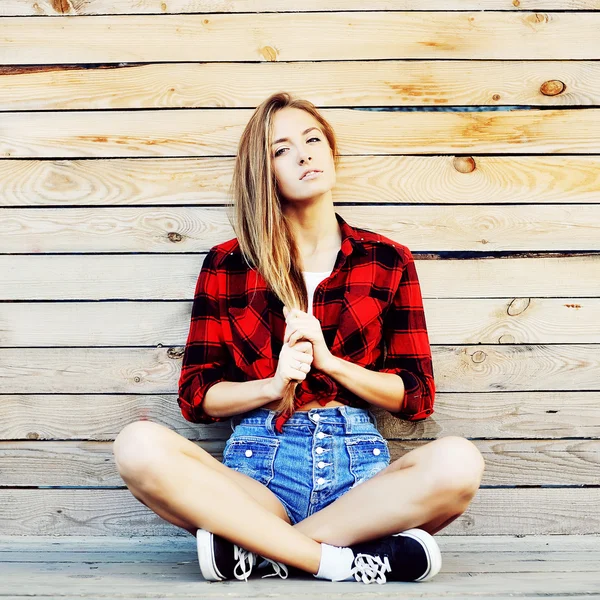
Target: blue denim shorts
{"x": 321, "y": 454}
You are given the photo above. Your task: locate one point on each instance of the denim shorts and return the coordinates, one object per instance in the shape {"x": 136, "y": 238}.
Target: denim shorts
{"x": 321, "y": 454}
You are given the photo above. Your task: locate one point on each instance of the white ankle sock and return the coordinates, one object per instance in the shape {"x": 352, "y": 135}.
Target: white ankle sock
{"x": 335, "y": 563}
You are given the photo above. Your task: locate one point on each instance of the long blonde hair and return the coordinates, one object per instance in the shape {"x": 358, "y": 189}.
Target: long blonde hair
{"x": 263, "y": 231}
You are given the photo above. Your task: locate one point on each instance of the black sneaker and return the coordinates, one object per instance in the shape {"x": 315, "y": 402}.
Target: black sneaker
{"x": 411, "y": 555}
{"x": 221, "y": 559}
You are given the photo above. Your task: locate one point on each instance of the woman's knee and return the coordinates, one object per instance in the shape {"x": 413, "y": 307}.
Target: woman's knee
{"x": 458, "y": 466}
{"x": 136, "y": 447}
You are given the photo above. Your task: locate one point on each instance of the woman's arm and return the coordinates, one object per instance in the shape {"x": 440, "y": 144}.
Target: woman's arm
{"x": 227, "y": 398}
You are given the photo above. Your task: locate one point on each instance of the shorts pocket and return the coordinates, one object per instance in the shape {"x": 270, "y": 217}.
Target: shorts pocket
{"x": 252, "y": 455}
{"x": 368, "y": 454}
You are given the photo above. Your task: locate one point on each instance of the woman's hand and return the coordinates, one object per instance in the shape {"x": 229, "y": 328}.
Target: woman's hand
{"x": 294, "y": 364}
{"x": 301, "y": 325}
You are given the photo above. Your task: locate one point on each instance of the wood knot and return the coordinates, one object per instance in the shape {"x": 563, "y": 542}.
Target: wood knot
{"x": 479, "y": 356}
{"x": 464, "y": 164}
{"x": 269, "y": 53}
{"x": 33, "y": 435}
{"x": 174, "y": 236}
{"x": 538, "y": 18}
{"x": 518, "y": 306}
{"x": 175, "y": 352}
{"x": 507, "y": 338}
{"x": 496, "y": 97}
{"x": 553, "y": 87}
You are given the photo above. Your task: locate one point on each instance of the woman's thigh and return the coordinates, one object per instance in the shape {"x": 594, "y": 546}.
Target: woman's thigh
{"x": 141, "y": 436}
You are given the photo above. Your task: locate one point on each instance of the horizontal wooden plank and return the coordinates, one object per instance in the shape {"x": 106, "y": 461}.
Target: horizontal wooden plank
{"x": 100, "y": 560}
{"x": 491, "y": 415}
{"x": 508, "y": 463}
{"x": 301, "y": 36}
{"x": 183, "y": 580}
{"x": 528, "y": 511}
{"x": 359, "y": 180}
{"x": 335, "y": 84}
{"x": 173, "y": 277}
{"x": 449, "y": 321}
{"x": 216, "y": 132}
{"x": 47, "y": 548}
{"x": 126, "y": 7}
{"x": 484, "y": 228}
{"x": 479, "y": 562}
{"x": 458, "y": 369}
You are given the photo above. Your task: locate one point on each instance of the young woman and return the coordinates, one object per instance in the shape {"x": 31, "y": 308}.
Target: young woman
{"x": 300, "y": 326}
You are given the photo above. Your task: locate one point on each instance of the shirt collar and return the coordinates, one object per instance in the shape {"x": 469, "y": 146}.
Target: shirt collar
{"x": 351, "y": 240}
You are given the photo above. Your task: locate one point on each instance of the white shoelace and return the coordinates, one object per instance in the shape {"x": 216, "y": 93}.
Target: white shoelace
{"x": 244, "y": 562}
{"x": 279, "y": 568}
{"x": 368, "y": 568}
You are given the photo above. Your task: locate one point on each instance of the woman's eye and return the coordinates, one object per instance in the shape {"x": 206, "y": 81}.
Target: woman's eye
{"x": 280, "y": 149}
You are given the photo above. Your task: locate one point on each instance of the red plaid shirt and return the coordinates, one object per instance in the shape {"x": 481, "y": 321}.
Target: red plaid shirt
{"x": 370, "y": 309}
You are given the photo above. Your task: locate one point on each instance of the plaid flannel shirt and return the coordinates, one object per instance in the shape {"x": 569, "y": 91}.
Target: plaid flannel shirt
{"x": 370, "y": 309}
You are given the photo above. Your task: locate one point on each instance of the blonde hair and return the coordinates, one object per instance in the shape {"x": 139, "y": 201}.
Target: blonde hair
{"x": 262, "y": 229}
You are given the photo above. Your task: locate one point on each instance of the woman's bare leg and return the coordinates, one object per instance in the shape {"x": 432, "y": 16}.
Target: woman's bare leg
{"x": 427, "y": 488}
{"x": 188, "y": 487}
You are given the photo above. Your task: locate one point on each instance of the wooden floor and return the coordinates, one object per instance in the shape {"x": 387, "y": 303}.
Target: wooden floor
{"x": 158, "y": 567}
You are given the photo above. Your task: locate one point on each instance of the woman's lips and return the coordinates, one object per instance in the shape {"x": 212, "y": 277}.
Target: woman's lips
{"x": 312, "y": 175}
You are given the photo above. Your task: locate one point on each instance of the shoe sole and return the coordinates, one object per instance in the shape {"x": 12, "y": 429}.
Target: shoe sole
{"x": 206, "y": 557}
{"x": 432, "y": 550}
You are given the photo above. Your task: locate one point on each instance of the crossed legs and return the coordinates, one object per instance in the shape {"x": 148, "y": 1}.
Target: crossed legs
{"x": 427, "y": 488}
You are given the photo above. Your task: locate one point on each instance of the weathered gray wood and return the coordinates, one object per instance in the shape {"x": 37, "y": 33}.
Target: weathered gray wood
{"x": 480, "y": 368}
{"x": 158, "y": 277}
{"x": 449, "y": 321}
{"x": 503, "y": 511}
{"x": 507, "y": 415}
{"x": 498, "y": 567}
{"x": 508, "y": 462}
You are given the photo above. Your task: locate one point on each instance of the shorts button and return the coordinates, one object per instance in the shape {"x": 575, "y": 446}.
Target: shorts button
{"x": 376, "y": 451}
{"x": 320, "y": 450}
{"x": 321, "y": 464}
{"x": 248, "y": 453}
{"x": 316, "y": 417}
{"x": 320, "y": 435}
{"x": 320, "y": 481}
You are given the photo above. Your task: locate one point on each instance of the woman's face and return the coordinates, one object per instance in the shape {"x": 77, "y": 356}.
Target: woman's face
{"x": 301, "y": 150}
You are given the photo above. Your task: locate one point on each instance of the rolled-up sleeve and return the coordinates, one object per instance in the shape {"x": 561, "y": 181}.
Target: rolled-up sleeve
{"x": 205, "y": 354}
{"x": 407, "y": 344}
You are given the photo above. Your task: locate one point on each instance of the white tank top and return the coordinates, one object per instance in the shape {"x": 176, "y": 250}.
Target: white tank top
{"x": 312, "y": 281}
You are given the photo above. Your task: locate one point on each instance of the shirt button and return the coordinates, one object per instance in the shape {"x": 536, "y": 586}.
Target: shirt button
{"x": 321, "y": 464}
{"x": 376, "y": 451}
{"x": 320, "y": 435}
{"x": 320, "y": 450}
{"x": 316, "y": 417}
{"x": 320, "y": 481}
{"x": 248, "y": 453}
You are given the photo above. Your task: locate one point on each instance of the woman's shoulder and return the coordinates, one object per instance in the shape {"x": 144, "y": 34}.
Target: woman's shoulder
{"x": 372, "y": 239}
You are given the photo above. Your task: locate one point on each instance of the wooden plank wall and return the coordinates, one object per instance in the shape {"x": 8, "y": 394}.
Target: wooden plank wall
{"x": 470, "y": 133}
